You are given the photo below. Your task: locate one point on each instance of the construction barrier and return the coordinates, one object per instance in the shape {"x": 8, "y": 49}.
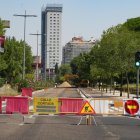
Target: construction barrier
{"x": 27, "y": 92}
{"x": 47, "y": 105}
{"x": 17, "y": 105}
{"x": 71, "y": 105}
{"x": 107, "y": 105}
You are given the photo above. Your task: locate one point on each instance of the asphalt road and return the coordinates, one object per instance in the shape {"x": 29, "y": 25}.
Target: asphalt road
{"x": 67, "y": 128}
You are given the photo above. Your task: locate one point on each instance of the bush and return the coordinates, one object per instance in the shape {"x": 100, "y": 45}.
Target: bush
{"x": 2, "y": 81}
{"x": 23, "y": 84}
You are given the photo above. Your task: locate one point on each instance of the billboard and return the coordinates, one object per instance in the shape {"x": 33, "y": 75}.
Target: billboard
{"x": 2, "y": 41}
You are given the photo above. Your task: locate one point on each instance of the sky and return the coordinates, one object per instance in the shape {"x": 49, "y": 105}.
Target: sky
{"x": 85, "y": 18}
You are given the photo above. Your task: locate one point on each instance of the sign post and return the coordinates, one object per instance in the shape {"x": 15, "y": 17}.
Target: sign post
{"x": 137, "y": 64}
{"x": 137, "y": 85}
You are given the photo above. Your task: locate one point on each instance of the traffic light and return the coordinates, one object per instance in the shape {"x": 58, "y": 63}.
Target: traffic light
{"x": 137, "y": 59}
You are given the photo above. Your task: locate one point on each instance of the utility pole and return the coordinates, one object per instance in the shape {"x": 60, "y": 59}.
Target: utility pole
{"x": 137, "y": 64}
{"x": 37, "y": 63}
{"x": 24, "y": 55}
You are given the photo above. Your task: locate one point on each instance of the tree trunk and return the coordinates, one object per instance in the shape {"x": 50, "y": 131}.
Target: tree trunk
{"x": 121, "y": 84}
{"x": 110, "y": 84}
{"x": 127, "y": 85}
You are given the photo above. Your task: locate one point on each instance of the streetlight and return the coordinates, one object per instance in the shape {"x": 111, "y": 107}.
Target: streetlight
{"x": 25, "y": 16}
{"x": 37, "y": 73}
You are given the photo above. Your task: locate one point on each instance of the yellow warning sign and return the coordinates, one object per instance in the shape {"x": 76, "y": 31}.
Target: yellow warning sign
{"x": 44, "y": 105}
{"x": 87, "y": 109}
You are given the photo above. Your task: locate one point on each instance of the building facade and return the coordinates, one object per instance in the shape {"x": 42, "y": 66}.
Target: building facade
{"x": 75, "y": 47}
{"x": 51, "y": 30}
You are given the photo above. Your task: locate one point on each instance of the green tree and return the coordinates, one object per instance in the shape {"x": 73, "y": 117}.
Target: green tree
{"x": 133, "y": 24}
{"x": 13, "y": 57}
{"x": 64, "y": 69}
{"x": 2, "y": 30}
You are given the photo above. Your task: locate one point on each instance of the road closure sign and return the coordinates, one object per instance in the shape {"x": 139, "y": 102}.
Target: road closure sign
{"x": 131, "y": 107}
{"x": 44, "y": 105}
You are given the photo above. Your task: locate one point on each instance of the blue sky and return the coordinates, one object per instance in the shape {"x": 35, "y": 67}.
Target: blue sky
{"x": 86, "y": 18}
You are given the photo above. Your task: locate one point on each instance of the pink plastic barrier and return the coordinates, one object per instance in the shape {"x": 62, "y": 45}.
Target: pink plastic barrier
{"x": 17, "y": 105}
{"x": 27, "y": 92}
{"x": 71, "y": 105}
{"x": 0, "y": 104}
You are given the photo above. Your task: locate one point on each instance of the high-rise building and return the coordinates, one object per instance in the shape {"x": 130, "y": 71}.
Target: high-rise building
{"x": 76, "y": 47}
{"x": 51, "y": 30}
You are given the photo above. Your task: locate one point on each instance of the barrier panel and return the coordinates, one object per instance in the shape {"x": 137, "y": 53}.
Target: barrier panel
{"x": 17, "y": 105}
{"x": 0, "y": 105}
{"x": 107, "y": 105}
{"x": 71, "y": 105}
{"x": 27, "y": 92}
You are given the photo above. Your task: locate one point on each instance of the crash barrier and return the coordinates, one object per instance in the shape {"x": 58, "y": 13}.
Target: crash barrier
{"x": 16, "y": 105}
{"x": 107, "y": 105}
{"x": 27, "y": 92}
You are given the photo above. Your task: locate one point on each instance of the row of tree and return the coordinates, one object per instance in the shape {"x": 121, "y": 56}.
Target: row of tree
{"x": 113, "y": 58}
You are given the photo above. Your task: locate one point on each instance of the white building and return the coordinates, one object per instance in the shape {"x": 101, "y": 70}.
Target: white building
{"x": 51, "y": 30}
{"x": 76, "y": 47}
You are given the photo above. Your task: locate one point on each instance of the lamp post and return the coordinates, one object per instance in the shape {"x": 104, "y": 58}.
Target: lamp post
{"x": 25, "y": 16}
{"x": 49, "y": 64}
{"x": 37, "y": 73}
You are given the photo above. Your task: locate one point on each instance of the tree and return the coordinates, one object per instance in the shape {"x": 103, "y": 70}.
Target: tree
{"x": 2, "y": 30}
{"x": 64, "y": 69}
{"x": 3, "y": 64}
{"x": 56, "y": 69}
{"x": 13, "y": 57}
{"x": 133, "y": 24}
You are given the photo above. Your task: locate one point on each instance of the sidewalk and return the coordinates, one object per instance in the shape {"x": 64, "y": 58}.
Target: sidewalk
{"x": 115, "y": 94}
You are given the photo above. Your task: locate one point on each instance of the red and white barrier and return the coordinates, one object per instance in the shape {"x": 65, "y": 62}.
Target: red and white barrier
{"x": 0, "y": 105}
{"x": 27, "y": 92}
{"x": 17, "y": 105}
{"x": 69, "y": 105}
